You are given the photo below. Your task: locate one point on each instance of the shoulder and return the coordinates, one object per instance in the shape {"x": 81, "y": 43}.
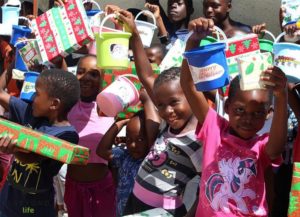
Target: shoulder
{"x": 67, "y": 133}
{"x": 243, "y": 27}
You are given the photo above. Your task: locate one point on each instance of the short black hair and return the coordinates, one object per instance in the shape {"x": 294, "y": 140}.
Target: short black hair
{"x": 171, "y": 74}
{"x": 62, "y": 85}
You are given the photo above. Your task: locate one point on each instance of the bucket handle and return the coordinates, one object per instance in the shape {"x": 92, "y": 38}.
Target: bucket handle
{"x": 219, "y": 32}
{"x": 270, "y": 34}
{"x": 19, "y": 5}
{"x": 26, "y": 19}
{"x": 279, "y": 36}
{"x": 23, "y": 41}
{"x": 129, "y": 75}
{"x": 148, "y": 13}
{"x": 104, "y": 20}
{"x": 93, "y": 2}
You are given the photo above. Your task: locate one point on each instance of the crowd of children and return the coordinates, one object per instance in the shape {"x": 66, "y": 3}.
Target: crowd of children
{"x": 237, "y": 150}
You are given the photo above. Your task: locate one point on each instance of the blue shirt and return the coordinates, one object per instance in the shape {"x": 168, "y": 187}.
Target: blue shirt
{"x": 127, "y": 170}
{"x": 29, "y": 190}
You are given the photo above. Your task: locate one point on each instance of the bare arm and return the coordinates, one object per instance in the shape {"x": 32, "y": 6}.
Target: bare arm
{"x": 294, "y": 100}
{"x": 195, "y": 98}
{"x": 152, "y": 119}
{"x": 278, "y": 132}
{"x": 155, "y": 9}
{"x": 4, "y": 80}
{"x": 104, "y": 148}
{"x": 143, "y": 66}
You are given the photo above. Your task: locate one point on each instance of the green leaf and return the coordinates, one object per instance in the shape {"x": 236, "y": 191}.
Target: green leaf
{"x": 262, "y": 67}
{"x": 250, "y": 69}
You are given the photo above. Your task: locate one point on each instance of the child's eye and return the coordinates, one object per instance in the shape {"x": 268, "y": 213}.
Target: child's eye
{"x": 94, "y": 74}
{"x": 239, "y": 111}
{"x": 174, "y": 102}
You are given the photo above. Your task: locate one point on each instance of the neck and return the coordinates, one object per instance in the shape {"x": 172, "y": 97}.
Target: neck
{"x": 226, "y": 24}
{"x": 88, "y": 99}
{"x": 59, "y": 120}
{"x": 180, "y": 25}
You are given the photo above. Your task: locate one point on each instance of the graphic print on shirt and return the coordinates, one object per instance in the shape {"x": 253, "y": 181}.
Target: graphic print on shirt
{"x": 229, "y": 184}
{"x": 158, "y": 154}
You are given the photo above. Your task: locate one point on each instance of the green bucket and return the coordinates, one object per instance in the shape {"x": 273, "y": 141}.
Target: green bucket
{"x": 112, "y": 48}
{"x": 265, "y": 44}
{"x": 208, "y": 40}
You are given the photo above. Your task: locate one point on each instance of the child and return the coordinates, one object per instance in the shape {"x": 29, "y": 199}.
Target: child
{"x": 29, "y": 185}
{"x": 175, "y": 157}
{"x": 179, "y": 13}
{"x": 141, "y": 131}
{"x": 218, "y": 11}
{"x": 155, "y": 53}
{"x": 234, "y": 156}
{"x": 89, "y": 189}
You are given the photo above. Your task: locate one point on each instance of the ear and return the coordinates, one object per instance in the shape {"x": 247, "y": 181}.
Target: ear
{"x": 55, "y": 105}
{"x": 270, "y": 112}
{"x": 226, "y": 106}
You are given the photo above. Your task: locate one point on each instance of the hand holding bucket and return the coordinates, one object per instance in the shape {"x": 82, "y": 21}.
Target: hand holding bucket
{"x": 94, "y": 15}
{"x": 112, "y": 47}
{"x": 19, "y": 31}
{"x": 118, "y": 95}
{"x": 146, "y": 29}
{"x": 208, "y": 64}
{"x": 287, "y": 58}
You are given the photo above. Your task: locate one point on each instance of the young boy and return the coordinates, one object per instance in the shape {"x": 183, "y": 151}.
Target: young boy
{"x": 29, "y": 186}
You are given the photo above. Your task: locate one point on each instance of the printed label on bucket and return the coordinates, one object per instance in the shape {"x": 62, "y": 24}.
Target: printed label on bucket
{"x": 207, "y": 73}
{"x": 118, "y": 51}
{"x": 28, "y": 87}
{"x": 123, "y": 96}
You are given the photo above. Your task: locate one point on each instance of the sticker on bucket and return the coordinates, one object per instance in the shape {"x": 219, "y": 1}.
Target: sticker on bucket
{"x": 122, "y": 95}
{"x": 287, "y": 61}
{"x": 28, "y": 87}
{"x": 118, "y": 51}
{"x": 207, "y": 73}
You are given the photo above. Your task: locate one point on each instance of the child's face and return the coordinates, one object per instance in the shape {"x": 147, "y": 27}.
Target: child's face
{"x": 247, "y": 112}
{"x": 89, "y": 77}
{"x": 216, "y": 10}
{"x": 177, "y": 10}
{"x": 136, "y": 139}
{"x": 172, "y": 105}
{"x": 154, "y": 55}
{"x": 42, "y": 102}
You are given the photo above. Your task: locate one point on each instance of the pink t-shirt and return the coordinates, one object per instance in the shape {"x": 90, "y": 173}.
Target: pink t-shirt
{"x": 90, "y": 126}
{"x": 232, "y": 182}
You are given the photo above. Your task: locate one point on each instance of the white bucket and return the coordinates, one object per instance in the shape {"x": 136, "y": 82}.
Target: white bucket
{"x": 287, "y": 58}
{"x": 146, "y": 29}
{"x": 10, "y": 14}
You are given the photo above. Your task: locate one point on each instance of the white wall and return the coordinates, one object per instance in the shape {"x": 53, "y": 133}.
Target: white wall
{"x": 250, "y": 12}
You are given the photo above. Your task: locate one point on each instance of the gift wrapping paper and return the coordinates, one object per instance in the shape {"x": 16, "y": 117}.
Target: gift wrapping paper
{"x": 62, "y": 30}
{"x": 43, "y": 144}
{"x": 294, "y": 204}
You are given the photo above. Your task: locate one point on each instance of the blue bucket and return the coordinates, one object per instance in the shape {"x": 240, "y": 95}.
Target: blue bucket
{"x": 208, "y": 66}
{"x": 19, "y": 64}
{"x": 19, "y": 32}
{"x": 28, "y": 89}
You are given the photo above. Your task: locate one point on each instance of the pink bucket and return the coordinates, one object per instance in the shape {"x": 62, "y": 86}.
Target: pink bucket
{"x": 117, "y": 96}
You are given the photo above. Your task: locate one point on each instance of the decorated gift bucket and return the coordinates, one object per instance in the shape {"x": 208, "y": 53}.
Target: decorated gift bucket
{"x": 208, "y": 65}
{"x": 28, "y": 88}
{"x": 19, "y": 63}
{"x": 19, "y": 31}
{"x": 287, "y": 58}
{"x": 118, "y": 95}
{"x": 146, "y": 29}
{"x": 112, "y": 48}
{"x": 94, "y": 15}
{"x": 266, "y": 44}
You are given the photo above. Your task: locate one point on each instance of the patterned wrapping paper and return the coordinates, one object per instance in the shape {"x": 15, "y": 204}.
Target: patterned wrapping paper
{"x": 292, "y": 11}
{"x": 294, "y": 205}
{"x": 241, "y": 46}
{"x": 109, "y": 77}
{"x": 44, "y": 145}
{"x": 31, "y": 52}
{"x": 62, "y": 30}
{"x": 250, "y": 69}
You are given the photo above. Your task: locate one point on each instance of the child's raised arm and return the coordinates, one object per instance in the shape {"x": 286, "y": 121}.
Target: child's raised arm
{"x": 142, "y": 64}
{"x": 201, "y": 27}
{"x": 4, "y": 80}
{"x": 278, "y": 133}
{"x": 152, "y": 119}
{"x": 104, "y": 148}
{"x": 294, "y": 100}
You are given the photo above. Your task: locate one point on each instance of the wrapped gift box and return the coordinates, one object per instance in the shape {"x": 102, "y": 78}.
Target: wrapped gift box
{"x": 292, "y": 11}
{"x": 62, "y": 30}
{"x": 250, "y": 69}
{"x": 110, "y": 75}
{"x": 294, "y": 204}
{"x": 43, "y": 144}
{"x": 158, "y": 212}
